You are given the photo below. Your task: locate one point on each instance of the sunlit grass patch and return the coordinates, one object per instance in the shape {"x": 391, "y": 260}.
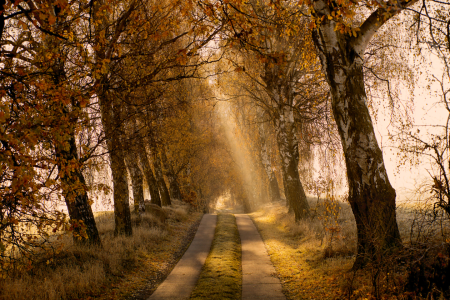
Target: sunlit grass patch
{"x": 221, "y": 276}
{"x": 297, "y": 252}
{"x": 313, "y": 263}
{"x": 178, "y": 213}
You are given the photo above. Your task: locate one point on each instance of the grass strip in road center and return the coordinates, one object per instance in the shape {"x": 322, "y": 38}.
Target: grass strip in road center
{"x": 221, "y": 276}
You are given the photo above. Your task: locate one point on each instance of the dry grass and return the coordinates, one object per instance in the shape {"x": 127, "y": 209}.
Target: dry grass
{"x": 178, "y": 211}
{"x": 314, "y": 262}
{"x": 297, "y": 252}
{"x": 221, "y": 276}
{"x": 112, "y": 272}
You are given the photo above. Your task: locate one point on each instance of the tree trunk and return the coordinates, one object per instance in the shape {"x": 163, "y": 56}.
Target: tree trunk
{"x": 122, "y": 214}
{"x": 74, "y": 190}
{"x": 112, "y": 111}
{"x": 151, "y": 181}
{"x": 279, "y": 80}
{"x": 274, "y": 189}
{"x": 164, "y": 192}
{"x": 73, "y": 184}
{"x": 371, "y": 195}
{"x": 111, "y": 119}
{"x": 174, "y": 188}
{"x": 283, "y": 174}
{"x": 137, "y": 181}
{"x": 288, "y": 148}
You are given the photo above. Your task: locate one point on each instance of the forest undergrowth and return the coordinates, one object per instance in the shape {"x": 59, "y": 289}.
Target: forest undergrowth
{"x": 124, "y": 268}
{"x": 314, "y": 257}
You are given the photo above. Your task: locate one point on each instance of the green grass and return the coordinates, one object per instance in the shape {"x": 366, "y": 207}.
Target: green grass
{"x": 221, "y": 276}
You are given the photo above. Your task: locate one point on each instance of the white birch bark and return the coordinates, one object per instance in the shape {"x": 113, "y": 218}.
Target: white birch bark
{"x": 274, "y": 189}
{"x": 371, "y": 195}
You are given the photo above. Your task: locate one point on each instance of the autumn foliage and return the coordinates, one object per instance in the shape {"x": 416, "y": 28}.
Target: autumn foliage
{"x": 261, "y": 101}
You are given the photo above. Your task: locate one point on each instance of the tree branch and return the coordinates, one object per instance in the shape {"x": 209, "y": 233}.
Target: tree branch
{"x": 377, "y": 19}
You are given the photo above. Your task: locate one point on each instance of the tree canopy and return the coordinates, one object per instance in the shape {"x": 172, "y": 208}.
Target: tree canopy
{"x": 191, "y": 100}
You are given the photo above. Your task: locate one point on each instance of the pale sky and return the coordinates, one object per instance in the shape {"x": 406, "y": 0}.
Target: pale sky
{"x": 427, "y": 111}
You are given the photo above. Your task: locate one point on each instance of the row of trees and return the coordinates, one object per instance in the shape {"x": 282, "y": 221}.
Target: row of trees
{"x": 287, "y": 87}
{"x": 83, "y": 80}
{"x": 127, "y": 81}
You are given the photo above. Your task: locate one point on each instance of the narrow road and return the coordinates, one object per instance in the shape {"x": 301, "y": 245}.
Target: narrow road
{"x": 258, "y": 274}
{"x": 183, "y": 278}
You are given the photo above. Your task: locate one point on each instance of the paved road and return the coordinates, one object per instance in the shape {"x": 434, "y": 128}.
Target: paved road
{"x": 183, "y": 278}
{"x": 258, "y": 274}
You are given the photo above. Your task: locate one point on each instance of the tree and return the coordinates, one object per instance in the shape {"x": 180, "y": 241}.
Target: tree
{"x": 149, "y": 175}
{"x": 284, "y": 79}
{"x": 174, "y": 188}
{"x": 137, "y": 179}
{"x": 143, "y": 47}
{"x": 36, "y": 75}
{"x": 341, "y": 50}
{"x": 430, "y": 32}
{"x": 265, "y": 155}
{"x": 164, "y": 192}
{"x": 69, "y": 165}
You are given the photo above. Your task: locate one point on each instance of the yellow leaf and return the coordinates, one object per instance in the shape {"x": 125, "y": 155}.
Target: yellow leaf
{"x": 51, "y": 19}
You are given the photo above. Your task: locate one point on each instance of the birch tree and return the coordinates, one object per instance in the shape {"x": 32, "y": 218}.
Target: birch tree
{"x": 274, "y": 189}
{"x": 341, "y": 50}
{"x": 279, "y": 62}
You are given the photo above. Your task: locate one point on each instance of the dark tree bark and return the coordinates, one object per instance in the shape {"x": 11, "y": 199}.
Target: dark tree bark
{"x": 112, "y": 111}
{"x": 274, "y": 190}
{"x": 164, "y": 192}
{"x": 137, "y": 180}
{"x": 289, "y": 156}
{"x": 74, "y": 189}
{"x": 122, "y": 214}
{"x": 371, "y": 195}
{"x": 151, "y": 181}
{"x": 283, "y": 174}
{"x": 73, "y": 183}
{"x": 2, "y": 18}
{"x": 280, "y": 82}
{"x": 174, "y": 188}
{"x": 112, "y": 119}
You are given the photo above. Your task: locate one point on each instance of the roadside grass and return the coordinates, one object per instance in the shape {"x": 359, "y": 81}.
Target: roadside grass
{"x": 123, "y": 267}
{"x": 221, "y": 276}
{"x": 297, "y": 252}
{"x": 314, "y": 257}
